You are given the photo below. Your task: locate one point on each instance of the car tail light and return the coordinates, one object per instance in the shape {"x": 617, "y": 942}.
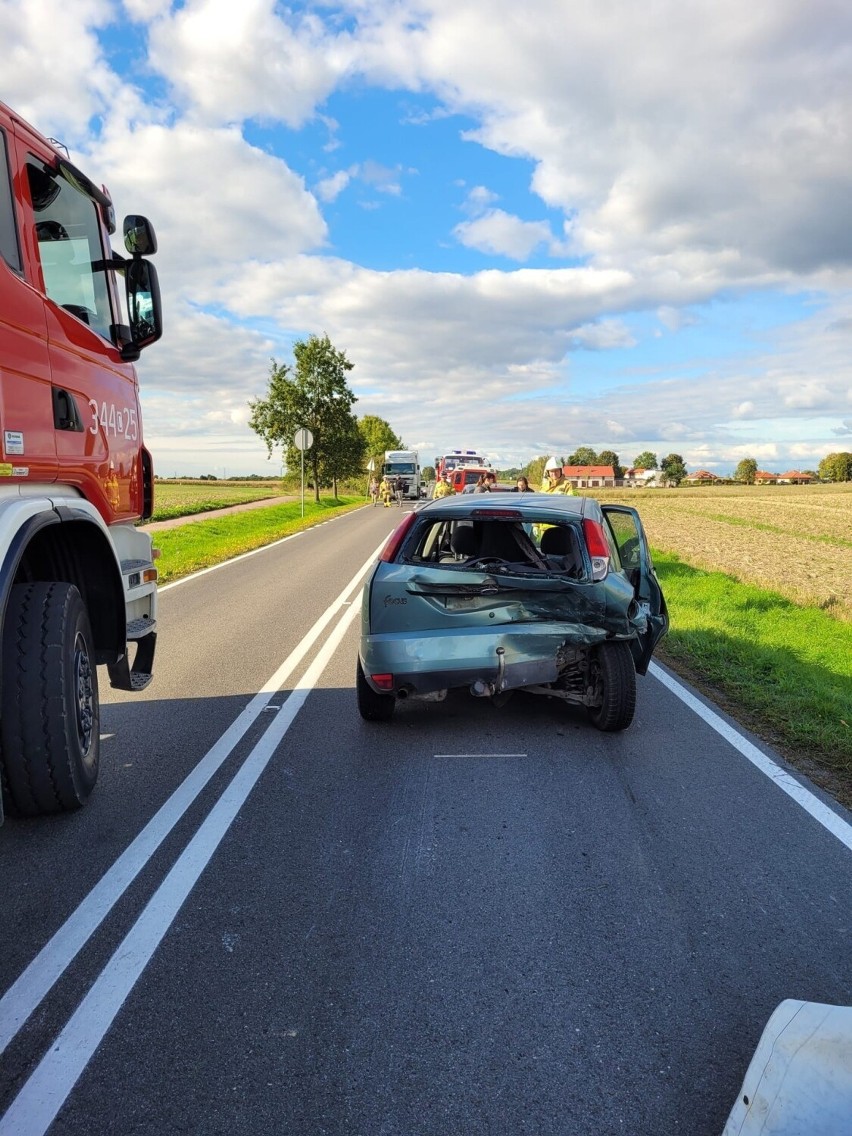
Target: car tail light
{"x": 383, "y": 682}
{"x": 597, "y": 546}
{"x": 388, "y": 553}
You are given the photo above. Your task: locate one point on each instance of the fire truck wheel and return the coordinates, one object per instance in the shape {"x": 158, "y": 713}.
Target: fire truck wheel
{"x": 50, "y": 725}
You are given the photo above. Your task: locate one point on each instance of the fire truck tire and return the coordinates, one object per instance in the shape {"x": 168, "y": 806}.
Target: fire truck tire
{"x": 50, "y": 724}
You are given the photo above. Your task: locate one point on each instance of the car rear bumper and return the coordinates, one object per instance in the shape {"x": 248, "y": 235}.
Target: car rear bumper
{"x": 435, "y": 660}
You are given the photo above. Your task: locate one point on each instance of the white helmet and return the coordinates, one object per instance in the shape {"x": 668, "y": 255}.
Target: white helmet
{"x": 553, "y": 463}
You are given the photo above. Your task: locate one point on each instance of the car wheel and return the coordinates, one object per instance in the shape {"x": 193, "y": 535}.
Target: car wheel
{"x": 50, "y": 726}
{"x": 613, "y": 676}
{"x": 372, "y": 707}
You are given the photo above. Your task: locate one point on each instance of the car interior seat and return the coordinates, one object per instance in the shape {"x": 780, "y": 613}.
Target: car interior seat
{"x": 465, "y": 542}
{"x": 561, "y": 541}
{"x": 499, "y": 540}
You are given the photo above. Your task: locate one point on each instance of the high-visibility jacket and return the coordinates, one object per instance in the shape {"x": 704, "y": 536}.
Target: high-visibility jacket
{"x": 443, "y": 489}
{"x": 563, "y": 486}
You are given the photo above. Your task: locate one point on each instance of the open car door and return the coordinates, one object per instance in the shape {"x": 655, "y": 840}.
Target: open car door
{"x": 629, "y": 536}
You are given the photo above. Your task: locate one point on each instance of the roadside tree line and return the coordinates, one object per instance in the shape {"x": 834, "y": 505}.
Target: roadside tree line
{"x": 672, "y": 465}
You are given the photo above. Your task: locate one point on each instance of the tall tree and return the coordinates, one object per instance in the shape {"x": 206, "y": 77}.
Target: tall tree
{"x": 745, "y": 471}
{"x": 583, "y": 455}
{"x": 346, "y": 449}
{"x": 378, "y": 436}
{"x": 674, "y": 467}
{"x": 646, "y": 460}
{"x": 610, "y": 457}
{"x": 313, "y": 394}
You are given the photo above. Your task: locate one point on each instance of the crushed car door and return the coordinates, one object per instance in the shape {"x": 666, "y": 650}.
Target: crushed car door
{"x": 632, "y": 544}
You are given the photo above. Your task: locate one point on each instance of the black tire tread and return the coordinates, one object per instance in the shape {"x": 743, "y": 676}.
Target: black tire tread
{"x": 618, "y": 677}
{"x": 43, "y": 770}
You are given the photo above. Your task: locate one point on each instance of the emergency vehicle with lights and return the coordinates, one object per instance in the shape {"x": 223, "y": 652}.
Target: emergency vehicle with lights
{"x": 454, "y": 459}
{"x": 78, "y": 584}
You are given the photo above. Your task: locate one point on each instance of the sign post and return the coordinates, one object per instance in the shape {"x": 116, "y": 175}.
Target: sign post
{"x": 303, "y": 440}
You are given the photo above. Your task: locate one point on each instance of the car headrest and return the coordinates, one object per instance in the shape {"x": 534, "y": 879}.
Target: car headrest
{"x": 464, "y": 542}
{"x": 556, "y": 542}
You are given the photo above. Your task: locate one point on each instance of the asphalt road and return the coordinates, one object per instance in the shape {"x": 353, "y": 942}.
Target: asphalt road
{"x": 276, "y": 918}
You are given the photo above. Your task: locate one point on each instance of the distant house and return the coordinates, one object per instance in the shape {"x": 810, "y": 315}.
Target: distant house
{"x": 637, "y": 477}
{"x": 764, "y": 478}
{"x": 701, "y": 477}
{"x": 795, "y": 477}
{"x": 590, "y": 476}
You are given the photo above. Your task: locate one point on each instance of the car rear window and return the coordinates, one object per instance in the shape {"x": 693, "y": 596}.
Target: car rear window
{"x": 507, "y": 545}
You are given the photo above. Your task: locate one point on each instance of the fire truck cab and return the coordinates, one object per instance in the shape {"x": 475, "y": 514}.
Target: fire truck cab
{"x": 77, "y": 577}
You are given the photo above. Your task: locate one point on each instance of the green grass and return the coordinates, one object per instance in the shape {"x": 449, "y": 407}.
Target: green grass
{"x": 185, "y": 498}
{"x": 201, "y": 544}
{"x": 783, "y": 669}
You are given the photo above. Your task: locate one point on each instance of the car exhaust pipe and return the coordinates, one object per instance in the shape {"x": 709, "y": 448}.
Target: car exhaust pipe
{"x": 403, "y": 692}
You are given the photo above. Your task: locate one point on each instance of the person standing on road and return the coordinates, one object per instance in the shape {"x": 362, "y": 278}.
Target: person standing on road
{"x": 385, "y": 492}
{"x": 554, "y": 479}
{"x": 374, "y": 490}
{"x": 443, "y": 488}
{"x": 523, "y": 486}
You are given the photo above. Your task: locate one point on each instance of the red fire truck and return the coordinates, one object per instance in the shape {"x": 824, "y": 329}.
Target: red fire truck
{"x": 77, "y": 577}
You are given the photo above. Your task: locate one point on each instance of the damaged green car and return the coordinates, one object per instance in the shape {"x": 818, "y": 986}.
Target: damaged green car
{"x": 549, "y": 594}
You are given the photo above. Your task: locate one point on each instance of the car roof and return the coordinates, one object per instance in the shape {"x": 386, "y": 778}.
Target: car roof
{"x": 558, "y": 505}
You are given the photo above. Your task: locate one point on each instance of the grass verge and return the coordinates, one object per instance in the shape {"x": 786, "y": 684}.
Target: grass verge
{"x": 201, "y": 544}
{"x": 783, "y": 670}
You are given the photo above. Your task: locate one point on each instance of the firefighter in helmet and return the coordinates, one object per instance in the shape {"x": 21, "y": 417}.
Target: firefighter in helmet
{"x": 554, "y": 479}
{"x": 443, "y": 488}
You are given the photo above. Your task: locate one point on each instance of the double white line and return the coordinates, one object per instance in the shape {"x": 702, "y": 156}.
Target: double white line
{"x": 43, "y": 1094}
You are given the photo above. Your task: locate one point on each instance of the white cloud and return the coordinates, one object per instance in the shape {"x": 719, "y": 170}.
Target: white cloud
{"x": 216, "y": 200}
{"x": 330, "y": 188}
{"x": 743, "y": 409}
{"x": 228, "y": 61}
{"x": 501, "y": 233}
{"x": 603, "y": 336}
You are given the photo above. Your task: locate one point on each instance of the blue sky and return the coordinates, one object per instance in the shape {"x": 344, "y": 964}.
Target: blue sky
{"x": 530, "y": 228}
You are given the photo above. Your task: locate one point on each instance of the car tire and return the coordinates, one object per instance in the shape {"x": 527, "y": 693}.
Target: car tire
{"x": 614, "y": 677}
{"x": 372, "y": 707}
{"x": 50, "y": 725}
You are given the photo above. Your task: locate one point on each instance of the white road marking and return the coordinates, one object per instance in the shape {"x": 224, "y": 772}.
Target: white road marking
{"x": 43, "y": 1094}
{"x": 26, "y": 993}
{"x": 803, "y": 797}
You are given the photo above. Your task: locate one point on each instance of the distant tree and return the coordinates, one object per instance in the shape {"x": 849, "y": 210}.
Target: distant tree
{"x": 313, "y": 394}
{"x": 610, "y": 457}
{"x": 583, "y": 455}
{"x": 378, "y": 436}
{"x": 534, "y": 472}
{"x": 745, "y": 471}
{"x": 836, "y": 467}
{"x": 428, "y": 473}
{"x": 674, "y": 467}
{"x": 646, "y": 460}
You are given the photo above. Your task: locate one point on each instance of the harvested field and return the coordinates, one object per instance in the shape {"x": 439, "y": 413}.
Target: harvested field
{"x": 796, "y": 539}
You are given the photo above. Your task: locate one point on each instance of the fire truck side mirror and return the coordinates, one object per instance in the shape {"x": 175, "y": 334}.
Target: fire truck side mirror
{"x": 143, "y": 306}
{"x": 139, "y": 236}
